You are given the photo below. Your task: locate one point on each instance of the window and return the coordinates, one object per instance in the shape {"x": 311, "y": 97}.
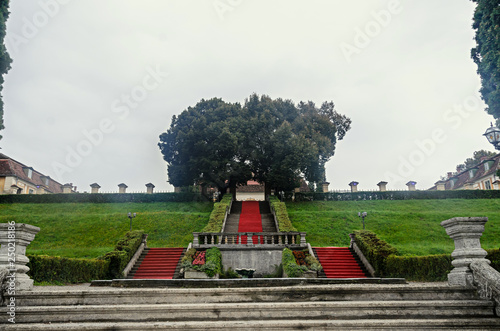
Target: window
{"x": 486, "y": 166}
{"x": 487, "y": 184}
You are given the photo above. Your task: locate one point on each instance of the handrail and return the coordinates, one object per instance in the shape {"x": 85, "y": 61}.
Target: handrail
{"x": 236, "y": 239}
{"x": 228, "y": 211}
{"x": 487, "y": 281}
{"x": 276, "y": 224}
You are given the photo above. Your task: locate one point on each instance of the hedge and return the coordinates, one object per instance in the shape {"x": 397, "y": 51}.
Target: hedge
{"x": 216, "y": 220}
{"x": 397, "y": 195}
{"x": 284, "y": 224}
{"x": 101, "y": 197}
{"x": 69, "y": 270}
{"x": 384, "y": 259}
{"x": 66, "y": 270}
{"x": 123, "y": 253}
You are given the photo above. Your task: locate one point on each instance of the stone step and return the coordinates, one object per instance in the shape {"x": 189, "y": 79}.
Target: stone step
{"x": 305, "y": 293}
{"x": 360, "y": 324}
{"x": 256, "y": 311}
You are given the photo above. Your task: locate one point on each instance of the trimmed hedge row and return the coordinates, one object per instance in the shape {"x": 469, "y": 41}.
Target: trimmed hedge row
{"x": 69, "y": 270}
{"x": 66, "y": 270}
{"x": 284, "y": 224}
{"x": 101, "y": 197}
{"x": 216, "y": 220}
{"x": 397, "y": 195}
{"x": 384, "y": 259}
{"x": 123, "y": 253}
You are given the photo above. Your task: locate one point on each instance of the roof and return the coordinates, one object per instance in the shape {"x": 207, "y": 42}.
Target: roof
{"x": 11, "y": 167}
{"x": 463, "y": 178}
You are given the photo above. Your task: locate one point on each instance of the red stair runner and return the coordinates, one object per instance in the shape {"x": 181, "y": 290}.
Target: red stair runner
{"x": 250, "y": 220}
{"x": 159, "y": 263}
{"x": 338, "y": 262}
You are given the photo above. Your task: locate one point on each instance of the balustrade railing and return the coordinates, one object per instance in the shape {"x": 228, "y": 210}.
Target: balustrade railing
{"x": 249, "y": 239}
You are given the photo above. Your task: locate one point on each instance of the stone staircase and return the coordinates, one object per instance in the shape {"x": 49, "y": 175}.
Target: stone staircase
{"x": 157, "y": 263}
{"x": 232, "y": 222}
{"x": 304, "y": 307}
{"x": 339, "y": 262}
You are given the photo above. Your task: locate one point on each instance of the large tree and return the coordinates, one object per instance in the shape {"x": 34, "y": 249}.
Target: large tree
{"x": 475, "y": 159}
{"x": 486, "y": 54}
{"x": 5, "y": 59}
{"x": 272, "y": 141}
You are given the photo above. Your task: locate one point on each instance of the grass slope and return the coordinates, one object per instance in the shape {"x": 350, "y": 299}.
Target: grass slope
{"x": 412, "y": 226}
{"x": 90, "y": 230}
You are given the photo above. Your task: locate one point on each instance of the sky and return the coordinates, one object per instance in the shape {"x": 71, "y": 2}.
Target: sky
{"x": 95, "y": 82}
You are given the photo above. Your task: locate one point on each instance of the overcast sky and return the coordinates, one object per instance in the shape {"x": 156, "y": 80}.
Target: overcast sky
{"x": 95, "y": 82}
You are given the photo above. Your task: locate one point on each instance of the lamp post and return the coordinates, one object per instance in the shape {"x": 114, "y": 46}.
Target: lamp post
{"x": 130, "y": 215}
{"x": 363, "y": 215}
{"x": 493, "y": 136}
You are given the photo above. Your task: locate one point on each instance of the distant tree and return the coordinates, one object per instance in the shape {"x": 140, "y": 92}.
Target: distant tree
{"x": 475, "y": 159}
{"x": 272, "y": 141}
{"x": 486, "y": 54}
{"x": 5, "y": 59}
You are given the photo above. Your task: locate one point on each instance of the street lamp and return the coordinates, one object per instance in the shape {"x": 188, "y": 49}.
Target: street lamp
{"x": 130, "y": 215}
{"x": 363, "y": 215}
{"x": 493, "y": 136}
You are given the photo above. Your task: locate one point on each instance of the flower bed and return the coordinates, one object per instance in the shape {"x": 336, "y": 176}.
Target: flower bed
{"x": 299, "y": 264}
{"x": 208, "y": 262}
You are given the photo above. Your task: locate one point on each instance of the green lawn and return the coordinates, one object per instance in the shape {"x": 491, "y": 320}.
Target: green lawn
{"x": 90, "y": 230}
{"x": 412, "y": 226}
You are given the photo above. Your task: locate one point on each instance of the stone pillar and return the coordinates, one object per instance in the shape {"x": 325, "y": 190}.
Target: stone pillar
{"x": 411, "y": 185}
{"x": 67, "y": 188}
{"x": 440, "y": 185}
{"x": 95, "y": 188}
{"x": 325, "y": 187}
{"x": 354, "y": 186}
{"x": 14, "y": 237}
{"x": 122, "y": 188}
{"x": 382, "y": 186}
{"x": 465, "y": 231}
{"x": 177, "y": 189}
{"x": 150, "y": 188}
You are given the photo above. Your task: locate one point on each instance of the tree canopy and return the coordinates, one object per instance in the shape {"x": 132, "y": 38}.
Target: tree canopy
{"x": 486, "y": 54}
{"x": 5, "y": 59}
{"x": 275, "y": 142}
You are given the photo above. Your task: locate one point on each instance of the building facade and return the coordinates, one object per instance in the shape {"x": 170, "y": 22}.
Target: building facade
{"x": 480, "y": 177}
{"x": 17, "y": 178}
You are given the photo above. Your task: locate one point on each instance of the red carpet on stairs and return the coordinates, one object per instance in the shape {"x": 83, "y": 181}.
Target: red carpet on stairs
{"x": 338, "y": 262}
{"x": 250, "y": 220}
{"x": 159, "y": 263}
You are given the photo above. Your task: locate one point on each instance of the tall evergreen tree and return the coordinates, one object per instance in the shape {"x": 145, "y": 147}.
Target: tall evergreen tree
{"x": 5, "y": 59}
{"x": 486, "y": 54}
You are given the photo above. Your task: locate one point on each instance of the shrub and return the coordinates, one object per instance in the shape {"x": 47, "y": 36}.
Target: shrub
{"x": 375, "y": 250}
{"x": 397, "y": 195}
{"x": 216, "y": 220}
{"x": 284, "y": 224}
{"x": 54, "y": 269}
{"x": 123, "y": 253}
{"x": 101, "y": 197}
{"x": 383, "y": 257}
{"x": 212, "y": 265}
{"x": 290, "y": 266}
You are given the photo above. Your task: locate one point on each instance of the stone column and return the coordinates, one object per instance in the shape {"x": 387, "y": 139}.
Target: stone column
{"x": 465, "y": 231}
{"x": 150, "y": 187}
{"x": 95, "y": 188}
{"x": 67, "y": 188}
{"x": 325, "y": 186}
{"x": 382, "y": 186}
{"x": 411, "y": 185}
{"x": 440, "y": 185}
{"x": 122, "y": 188}
{"x": 14, "y": 238}
{"x": 354, "y": 186}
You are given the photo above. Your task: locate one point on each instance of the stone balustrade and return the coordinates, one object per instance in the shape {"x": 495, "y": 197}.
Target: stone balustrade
{"x": 234, "y": 240}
